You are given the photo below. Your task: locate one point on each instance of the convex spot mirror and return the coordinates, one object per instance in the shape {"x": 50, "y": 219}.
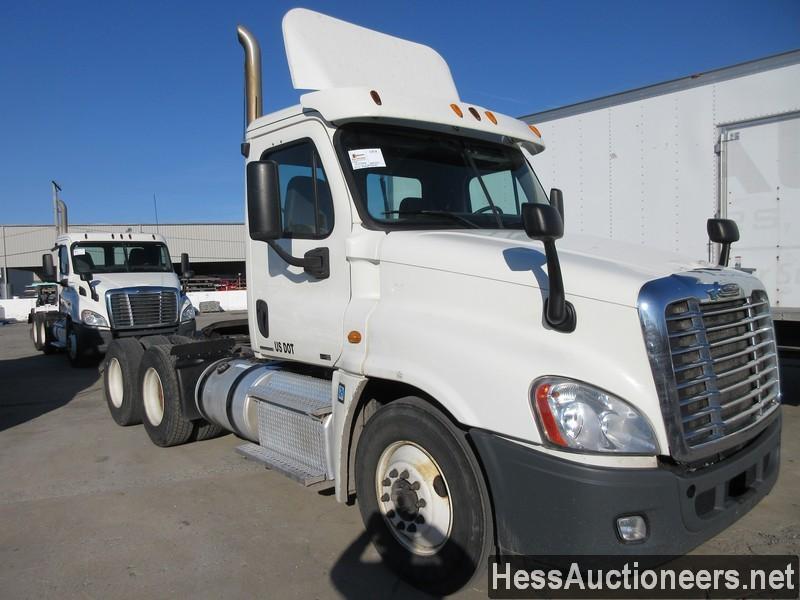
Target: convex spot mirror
{"x": 263, "y": 201}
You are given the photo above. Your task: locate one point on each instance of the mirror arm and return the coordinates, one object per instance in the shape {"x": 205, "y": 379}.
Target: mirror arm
{"x": 558, "y": 312}
{"x": 724, "y": 254}
{"x": 315, "y": 262}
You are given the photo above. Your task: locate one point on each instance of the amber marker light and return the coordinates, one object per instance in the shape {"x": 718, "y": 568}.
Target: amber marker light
{"x": 376, "y": 97}
{"x": 475, "y": 113}
{"x": 490, "y": 115}
{"x": 354, "y": 337}
{"x": 536, "y": 132}
{"x": 457, "y": 110}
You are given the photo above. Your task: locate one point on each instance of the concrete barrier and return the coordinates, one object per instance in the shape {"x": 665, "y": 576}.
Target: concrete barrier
{"x": 17, "y": 309}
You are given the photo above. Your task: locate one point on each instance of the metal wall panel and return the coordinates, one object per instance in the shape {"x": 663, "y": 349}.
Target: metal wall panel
{"x": 204, "y": 242}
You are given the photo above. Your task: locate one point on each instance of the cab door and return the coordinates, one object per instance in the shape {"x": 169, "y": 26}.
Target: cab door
{"x": 295, "y": 315}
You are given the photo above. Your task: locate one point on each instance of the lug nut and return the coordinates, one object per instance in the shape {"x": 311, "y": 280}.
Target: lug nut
{"x": 404, "y": 475}
{"x": 401, "y": 526}
{"x": 412, "y": 528}
{"x": 393, "y": 473}
{"x": 386, "y": 482}
{"x": 421, "y": 503}
{"x": 420, "y": 519}
{"x": 390, "y": 514}
{"x": 385, "y": 498}
{"x": 415, "y": 486}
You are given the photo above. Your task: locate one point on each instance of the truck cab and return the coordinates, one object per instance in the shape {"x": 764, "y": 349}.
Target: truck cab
{"x": 112, "y": 285}
{"x": 425, "y": 339}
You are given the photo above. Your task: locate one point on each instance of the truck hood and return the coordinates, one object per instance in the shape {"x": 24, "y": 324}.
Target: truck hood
{"x": 105, "y": 282}
{"x": 592, "y": 267}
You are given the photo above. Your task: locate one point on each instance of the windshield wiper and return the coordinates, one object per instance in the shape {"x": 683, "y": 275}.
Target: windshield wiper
{"x": 436, "y": 213}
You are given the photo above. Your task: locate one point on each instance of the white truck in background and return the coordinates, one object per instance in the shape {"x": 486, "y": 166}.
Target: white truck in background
{"x": 414, "y": 344}
{"x": 109, "y": 285}
{"x": 645, "y": 165}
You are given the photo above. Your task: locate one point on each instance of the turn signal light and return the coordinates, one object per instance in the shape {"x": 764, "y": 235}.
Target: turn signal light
{"x": 457, "y": 109}
{"x": 535, "y": 131}
{"x": 354, "y": 337}
{"x": 542, "y": 395}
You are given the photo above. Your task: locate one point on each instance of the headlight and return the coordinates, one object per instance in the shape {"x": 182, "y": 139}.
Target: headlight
{"x": 92, "y": 319}
{"x": 187, "y": 312}
{"x": 582, "y": 417}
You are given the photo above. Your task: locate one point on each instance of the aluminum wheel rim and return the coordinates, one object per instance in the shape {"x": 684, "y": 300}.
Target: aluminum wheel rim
{"x": 115, "y": 388}
{"x": 153, "y": 397}
{"x": 413, "y": 498}
{"x": 42, "y": 334}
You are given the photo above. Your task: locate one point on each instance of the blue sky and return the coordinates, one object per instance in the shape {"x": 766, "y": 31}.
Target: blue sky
{"x": 122, "y": 100}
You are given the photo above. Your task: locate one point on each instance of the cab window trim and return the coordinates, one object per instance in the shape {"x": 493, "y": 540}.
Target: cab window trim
{"x": 317, "y": 162}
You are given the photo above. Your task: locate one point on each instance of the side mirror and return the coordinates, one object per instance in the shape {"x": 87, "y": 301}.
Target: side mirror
{"x": 186, "y": 271}
{"x": 557, "y": 200}
{"x": 263, "y": 201}
{"x": 724, "y": 232}
{"x": 87, "y": 277}
{"x": 543, "y": 222}
{"x": 48, "y": 268}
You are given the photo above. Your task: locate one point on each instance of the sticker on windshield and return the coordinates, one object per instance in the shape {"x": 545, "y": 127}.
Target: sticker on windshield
{"x": 366, "y": 158}
{"x": 79, "y": 251}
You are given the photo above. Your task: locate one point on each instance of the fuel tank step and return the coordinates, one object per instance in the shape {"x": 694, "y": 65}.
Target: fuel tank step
{"x": 278, "y": 462}
{"x": 294, "y": 418}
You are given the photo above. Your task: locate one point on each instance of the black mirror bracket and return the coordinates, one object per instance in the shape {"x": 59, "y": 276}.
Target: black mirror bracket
{"x": 723, "y": 232}
{"x": 560, "y": 313}
{"x": 315, "y": 262}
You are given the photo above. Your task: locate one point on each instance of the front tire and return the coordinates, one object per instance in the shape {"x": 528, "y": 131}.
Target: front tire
{"x": 121, "y": 381}
{"x": 422, "y": 496}
{"x": 77, "y": 352}
{"x": 161, "y": 406}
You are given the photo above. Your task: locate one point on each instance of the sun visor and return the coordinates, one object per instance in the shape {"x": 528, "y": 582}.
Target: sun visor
{"x": 326, "y": 53}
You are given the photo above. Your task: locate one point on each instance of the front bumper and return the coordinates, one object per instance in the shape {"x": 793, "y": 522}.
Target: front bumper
{"x": 547, "y": 505}
{"x": 101, "y": 338}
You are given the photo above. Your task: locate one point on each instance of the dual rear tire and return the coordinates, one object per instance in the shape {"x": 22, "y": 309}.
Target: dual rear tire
{"x": 141, "y": 386}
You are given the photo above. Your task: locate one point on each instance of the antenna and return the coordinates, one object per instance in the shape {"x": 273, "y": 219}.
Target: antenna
{"x": 155, "y": 210}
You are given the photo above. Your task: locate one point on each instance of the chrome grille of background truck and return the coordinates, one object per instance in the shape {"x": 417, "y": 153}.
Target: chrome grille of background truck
{"x": 142, "y": 307}
{"x": 712, "y": 348}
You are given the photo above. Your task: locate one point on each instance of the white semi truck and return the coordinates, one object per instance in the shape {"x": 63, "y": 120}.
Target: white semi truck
{"x": 109, "y": 285}
{"x": 422, "y": 340}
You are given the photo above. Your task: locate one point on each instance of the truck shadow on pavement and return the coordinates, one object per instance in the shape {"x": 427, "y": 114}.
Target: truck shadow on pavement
{"x": 35, "y": 385}
{"x": 354, "y": 577}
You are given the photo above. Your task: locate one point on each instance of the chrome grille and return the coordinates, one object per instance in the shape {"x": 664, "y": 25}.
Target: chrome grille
{"x": 143, "y": 308}
{"x": 724, "y": 362}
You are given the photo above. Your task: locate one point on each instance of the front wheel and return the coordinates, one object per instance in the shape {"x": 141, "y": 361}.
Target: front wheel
{"x": 422, "y": 496}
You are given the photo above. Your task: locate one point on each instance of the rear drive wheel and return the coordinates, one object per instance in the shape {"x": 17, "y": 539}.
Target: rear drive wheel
{"x": 422, "y": 496}
{"x": 121, "y": 381}
{"x": 162, "y": 415}
{"x": 45, "y": 337}
{"x": 36, "y": 331}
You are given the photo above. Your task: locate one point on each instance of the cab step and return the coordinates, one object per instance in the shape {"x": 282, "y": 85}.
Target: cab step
{"x": 294, "y": 426}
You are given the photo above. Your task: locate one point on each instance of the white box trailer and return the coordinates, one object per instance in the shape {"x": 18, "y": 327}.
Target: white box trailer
{"x": 650, "y": 165}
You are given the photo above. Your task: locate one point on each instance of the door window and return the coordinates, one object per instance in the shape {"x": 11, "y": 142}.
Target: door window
{"x": 306, "y": 203}
{"x": 63, "y": 261}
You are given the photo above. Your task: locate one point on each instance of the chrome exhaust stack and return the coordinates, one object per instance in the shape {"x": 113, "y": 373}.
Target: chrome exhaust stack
{"x": 252, "y": 73}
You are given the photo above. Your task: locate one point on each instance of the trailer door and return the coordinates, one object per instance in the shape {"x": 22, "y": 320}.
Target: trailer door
{"x": 760, "y": 189}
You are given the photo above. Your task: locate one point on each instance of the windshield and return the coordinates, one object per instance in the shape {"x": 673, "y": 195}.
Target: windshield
{"x": 120, "y": 257}
{"x": 408, "y": 178}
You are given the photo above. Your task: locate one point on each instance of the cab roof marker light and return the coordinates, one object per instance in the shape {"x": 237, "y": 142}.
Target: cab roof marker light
{"x": 376, "y": 97}
{"x": 457, "y": 109}
{"x": 535, "y": 131}
{"x": 490, "y": 115}
{"x": 475, "y": 113}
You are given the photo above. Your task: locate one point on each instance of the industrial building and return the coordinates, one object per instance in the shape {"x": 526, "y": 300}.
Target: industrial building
{"x": 215, "y": 249}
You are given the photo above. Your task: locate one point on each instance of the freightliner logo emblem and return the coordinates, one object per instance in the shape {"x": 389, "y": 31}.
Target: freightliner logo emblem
{"x": 728, "y": 290}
